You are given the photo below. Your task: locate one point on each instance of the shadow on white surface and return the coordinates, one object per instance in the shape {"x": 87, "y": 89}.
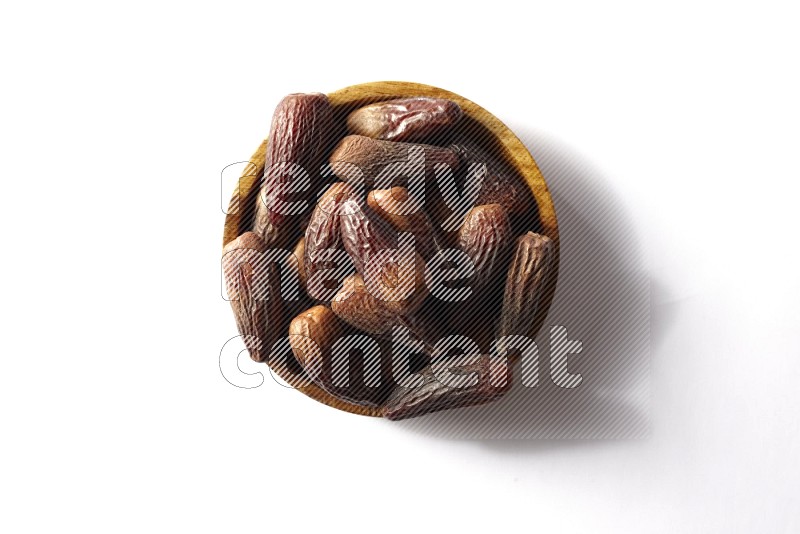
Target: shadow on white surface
{"x": 603, "y": 299}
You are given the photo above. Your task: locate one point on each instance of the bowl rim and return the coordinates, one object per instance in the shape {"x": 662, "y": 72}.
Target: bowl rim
{"x": 514, "y": 152}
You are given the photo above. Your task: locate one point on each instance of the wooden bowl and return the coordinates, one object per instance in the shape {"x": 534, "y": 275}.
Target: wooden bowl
{"x": 487, "y": 129}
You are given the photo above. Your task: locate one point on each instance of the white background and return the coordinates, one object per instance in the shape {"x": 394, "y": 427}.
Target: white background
{"x": 116, "y": 121}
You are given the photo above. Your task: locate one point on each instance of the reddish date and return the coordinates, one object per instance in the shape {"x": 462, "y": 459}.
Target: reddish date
{"x": 485, "y": 236}
{"x": 405, "y": 119}
{"x": 298, "y": 142}
{"x": 361, "y": 160}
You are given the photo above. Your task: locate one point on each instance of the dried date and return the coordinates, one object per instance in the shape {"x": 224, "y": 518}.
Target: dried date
{"x": 299, "y": 253}
{"x": 527, "y": 277}
{"x": 434, "y": 394}
{"x": 253, "y": 287}
{"x": 405, "y": 214}
{"x": 374, "y": 163}
{"x": 323, "y": 230}
{"x": 405, "y": 119}
{"x": 485, "y": 237}
{"x": 298, "y": 142}
{"x": 355, "y": 305}
{"x": 364, "y": 234}
{"x": 311, "y": 336}
{"x": 500, "y": 185}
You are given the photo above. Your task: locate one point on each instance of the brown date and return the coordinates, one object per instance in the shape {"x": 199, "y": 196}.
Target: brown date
{"x": 500, "y": 185}
{"x": 311, "y": 336}
{"x": 323, "y": 230}
{"x": 364, "y": 234}
{"x": 527, "y": 277}
{"x": 404, "y": 119}
{"x": 485, "y": 237}
{"x": 376, "y": 309}
{"x": 361, "y": 160}
{"x": 299, "y": 138}
{"x": 295, "y": 306}
{"x": 392, "y": 269}
{"x": 300, "y": 254}
{"x": 434, "y": 394}
{"x": 355, "y": 305}
{"x": 405, "y": 214}
{"x": 253, "y": 287}
{"x": 401, "y": 287}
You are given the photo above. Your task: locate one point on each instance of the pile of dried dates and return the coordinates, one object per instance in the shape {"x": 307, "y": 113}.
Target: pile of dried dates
{"x": 390, "y": 255}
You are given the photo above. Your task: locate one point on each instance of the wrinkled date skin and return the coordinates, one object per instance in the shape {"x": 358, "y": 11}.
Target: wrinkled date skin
{"x": 364, "y": 234}
{"x": 499, "y": 185}
{"x": 323, "y": 230}
{"x": 300, "y": 254}
{"x": 391, "y": 299}
{"x": 254, "y": 291}
{"x": 383, "y": 164}
{"x": 299, "y": 138}
{"x": 485, "y": 236}
{"x": 295, "y": 306}
{"x": 312, "y": 336}
{"x": 434, "y": 394}
{"x": 405, "y": 119}
{"x": 405, "y": 214}
{"x": 527, "y": 278}
{"x": 396, "y": 277}
{"x": 356, "y": 306}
